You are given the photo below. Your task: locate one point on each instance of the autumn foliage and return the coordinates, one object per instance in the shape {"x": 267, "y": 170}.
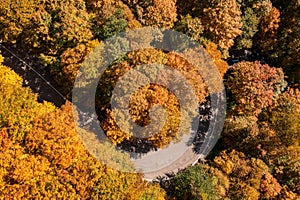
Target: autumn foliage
{"x": 250, "y": 178}
{"x": 146, "y": 97}
{"x": 254, "y": 45}
{"x": 18, "y": 105}
{"x": 223, "y": 23}
{"x": 42, "y": 155}
{"x": 254, "y": 86}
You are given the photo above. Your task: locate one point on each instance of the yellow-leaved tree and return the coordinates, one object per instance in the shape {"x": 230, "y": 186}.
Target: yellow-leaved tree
{"x": 42, "y": 155}
{"x": 18, "y": 105}
{"x": 142, "y": 100}
{"x": 223, "y": 23}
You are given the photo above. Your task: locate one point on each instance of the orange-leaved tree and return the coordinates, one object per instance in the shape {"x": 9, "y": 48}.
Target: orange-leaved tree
{"x": 42, "y": 154}
{"x": 222, "y": 23}
{"x": 254, "y": 86}
{"x": 142, "y": 100}
{"x": 156, "y": 13}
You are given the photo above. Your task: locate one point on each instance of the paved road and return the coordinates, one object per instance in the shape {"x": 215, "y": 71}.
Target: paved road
{"x": 27, "y": 65}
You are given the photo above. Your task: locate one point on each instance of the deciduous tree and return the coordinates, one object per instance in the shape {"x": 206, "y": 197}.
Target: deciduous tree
{"x": 193, "y": 183}
{"x": 266, "y": 37}
{"x": 254, "y": 86}
{"x": 223, "y": 23}
{"x": 156, "y": 13}
{"x": 252, "y": 14}
{"x": 250, "y": 178}
{"x": 19, "y": 106}
{"x": 149, "y": 95}
{"x": 17, "y": 18}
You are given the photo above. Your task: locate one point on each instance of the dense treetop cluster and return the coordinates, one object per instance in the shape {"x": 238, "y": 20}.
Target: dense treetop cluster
{"x": 258, "y": 154}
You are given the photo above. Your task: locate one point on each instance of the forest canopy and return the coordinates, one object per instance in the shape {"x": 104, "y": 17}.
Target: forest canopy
{"x": 255, "y": 45}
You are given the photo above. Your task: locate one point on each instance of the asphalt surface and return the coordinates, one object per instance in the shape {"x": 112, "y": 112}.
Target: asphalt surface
{"x": 27, "y": 65}
{"x": 153, "y": 162}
